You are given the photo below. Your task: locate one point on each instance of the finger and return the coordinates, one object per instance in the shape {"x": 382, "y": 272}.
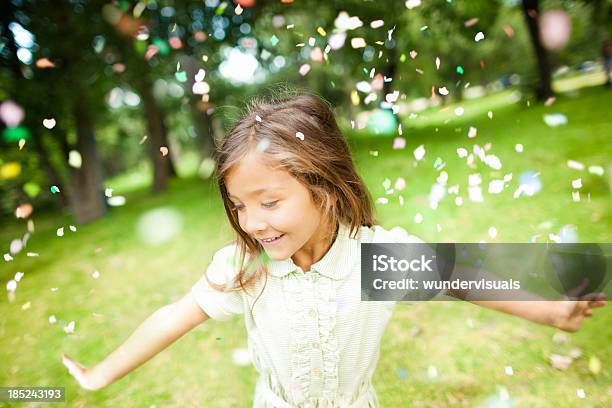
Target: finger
{"x": 588, "y": 313}
{"x": 597, "y": 303}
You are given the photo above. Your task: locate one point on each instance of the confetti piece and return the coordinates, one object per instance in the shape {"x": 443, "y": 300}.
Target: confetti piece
{"x": 54, "y": 189}
{"x": 458, "y": 201}
{"x": 70, "y": 327}
{"x": 472, "y": 132}
{"x": 304, "y": 69}
{"x": 437, "y": 63}
{"x": 496, "y": 186}
{"x": 11, "y": 113}
{"x": 471, "y": 22}
{"x": 597, "y": 170}
{"x": 443, "y": 91}
{"x": 392, "y": 97}
{"x": 576, "y": 196}
{"x": 377, "y": 23}
{"x": 509, "y": 31}
{"x": 479, "y": 36}
{"x": 492, "y": 232}
{"x": 116, "y": 201}
{"x": 382, "y": 200}
{"x": 459, "y": 111}
{"x": 49, "y": 123}
{"x": 413, "y": 54}
{"x": 274, "y": 40}
{"x": 432, "y": 371}
{"x": 462, "y": 152}
{"x": 263, "y": 145}
{"x": 411, "y": 4}
{"x": 399, "y": 143}
{"x": 555, "y": 119}
{"x": 72, "y": 228}
{"x": 519, "y": 148}
{"x": 594, "y": 365}
{"x": 95, "y": 274}
{"x": 200, "y": 88}
{"x": 164, "y": 151}
{"x": 43, "y": 63}
{"x": 358, "y": 42}
{"x": 241, "y": 357}
{"x": 459, "y": 69}
{"x": 419, "y": 152}
{"x": 74, "y": 159}
{"x": 400, "y": 183}
{"x": 181, "y": 76}
{"x": 23, "y": 210}
{"x": 22, "y": 143}
{"x": 572, "y": 164}
{"x": 418, "y": 218}
{"x": 577, "y": 183}
{"x": 52, "y": 319}
{"x": 144, "y": 138}
{"x": 108, "y": 192}
{"x": 508, "y": 370}
{"x": 580, "y": 393}
{"x": 8, "y": 257}
{"x": 26, "y": 306}
{"x": 257, "y": 118}
{"x": 60, "y": 232}
{"x": 490, "y": 114}
{"x": 11, "y": 286}
{"x": 299, "y": 135}
{"x": 560, "y": 362}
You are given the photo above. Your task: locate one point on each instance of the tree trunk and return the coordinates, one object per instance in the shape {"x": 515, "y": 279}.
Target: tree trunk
{"x": 61, "y": 200}
{"x": 531, "y": 12}
{"x": 163, "y": 168}
{"x": 86, "y": 183}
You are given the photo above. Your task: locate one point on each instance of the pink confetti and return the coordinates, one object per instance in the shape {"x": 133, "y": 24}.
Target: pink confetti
{"x": 164, "y": 151}
{"x": 304, "y": 69}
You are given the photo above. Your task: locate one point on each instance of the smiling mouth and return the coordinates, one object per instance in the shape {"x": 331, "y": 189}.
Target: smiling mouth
{"x": 272, "y": 240}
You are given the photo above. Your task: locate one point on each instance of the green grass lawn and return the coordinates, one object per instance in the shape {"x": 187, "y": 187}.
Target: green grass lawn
{"x": 468, "y": 346}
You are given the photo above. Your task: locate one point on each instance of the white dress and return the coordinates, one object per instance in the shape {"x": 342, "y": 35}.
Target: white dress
{"x": 310, "y": 337}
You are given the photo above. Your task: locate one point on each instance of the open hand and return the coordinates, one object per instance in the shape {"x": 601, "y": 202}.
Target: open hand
{"x": 86, "y": 377}
{"x": 570, "y": 313}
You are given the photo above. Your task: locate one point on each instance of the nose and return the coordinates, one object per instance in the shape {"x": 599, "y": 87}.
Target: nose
{"x": 254, "y": 224}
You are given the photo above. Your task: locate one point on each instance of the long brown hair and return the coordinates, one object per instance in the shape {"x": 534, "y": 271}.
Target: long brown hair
{"x": 321, "y": 162}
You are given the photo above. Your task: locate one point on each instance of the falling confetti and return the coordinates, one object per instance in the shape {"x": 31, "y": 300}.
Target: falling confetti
{"x": 492, "y": 232}
{"x": 263, "y": 145}
{"x": 377, "y": 23}
{"x": 508, "y": 370}
{"x": 472, "y": 132}
{"x": 413, "y": 54}
{"x": 418, "y": 218}
{"x": 519, "y": 148}
{"x": 108, "y": 192}
{"x": 70, "y": 327}
{"x": 181, "y": 76}
{"x": 11, "y": 113}
{"x": 479, "y": 36}
{"x": 437, "y": 63}
{"x": 74, "y": 159}
{"x": 60, "y": 232}
{"x": 304, "y": 69}
{"x": 555, "y": 119}
{"x": 443, "y": 91}
{"x": 358, "y": 42}
{"x": 459, "y": 69}
{"x": 411, "y": 4}
{"x": 419, "y": 152}
{"x": 573, "y": 164}
{"x": 95, "y": 274}
{"x": 274, "y": 40}
{"x": 116, "y": 201}
{"x": 399, "y": 143}
{"x": 490, "y": 114}
{"x": 459, "y": 111}
{"x": 54, "y": 189}
{"x": 49, "y": 123}
{"x": 580, "y": 393}
{"x": 22, "y": 143}
{"x": 299, "y": 135}
{"x": 164, "y": 151}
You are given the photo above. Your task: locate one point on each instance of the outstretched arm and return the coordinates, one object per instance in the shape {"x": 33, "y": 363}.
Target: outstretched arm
{"x": 157, "y": 332}
{"x": 563, "y": 314}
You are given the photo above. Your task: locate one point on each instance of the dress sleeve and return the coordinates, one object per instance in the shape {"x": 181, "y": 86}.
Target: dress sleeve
{"x": 217, "y": 304}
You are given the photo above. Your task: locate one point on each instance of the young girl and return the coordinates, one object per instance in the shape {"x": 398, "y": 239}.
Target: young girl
{"x": 300, "y": 211}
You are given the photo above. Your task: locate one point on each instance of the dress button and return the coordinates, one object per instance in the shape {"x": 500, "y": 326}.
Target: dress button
{"x": 312, "y": 312}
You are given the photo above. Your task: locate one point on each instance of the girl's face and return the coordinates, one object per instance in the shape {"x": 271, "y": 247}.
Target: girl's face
{"x": 270, "y": 204}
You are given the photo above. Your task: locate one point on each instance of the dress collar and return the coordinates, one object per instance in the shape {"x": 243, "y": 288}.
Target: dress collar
{"x": 333, "y": 264}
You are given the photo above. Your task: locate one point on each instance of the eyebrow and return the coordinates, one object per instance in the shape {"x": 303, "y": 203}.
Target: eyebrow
{"x": 258, "y": 191}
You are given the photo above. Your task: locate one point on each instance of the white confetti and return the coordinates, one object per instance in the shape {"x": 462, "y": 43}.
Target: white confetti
{"x": 358, "y": 42}
{"x": 597, "y": 170}
{"x": 377, "y": 23}
{"x": 459, "y": 111}
{"x": 472, "y": 132}
{"x": 479, "y": 36}
{"x": 492, "y": 232}
{"x": 304, "y": 69}
{"x": 519, "y": 148}
{"x": 18, "y": 276}
{"x": 580, "y": 393}
{"x": 299, "y": 135}
{"x": 496, "y": 186}
{"x": 72, "y": 228}
{"x": 258, "y": 118}
{"x": 49, "y": 123}
{"x": 555, "y": 119}
{"x": 95, "y": 274}
{"x": 419, "y": 152}
{"x": 60, "y": 232}
{"x": 11, "y": 285}
{"x": 241, "y": 357}
{"x": 74, "y": 159}
{"x": 8, "y": 257}
{"x": 462, "y": 152}
{"x": 116, "y": 201}
{"x": 577, "y": 183}
{"x": 576, "y": 196}
{"x": 437, "y": 63}
{"x": 108, "y": 192}
{"x": 508, "y": 370}
{"x": 263, "y": 144}
{"x": 443, "y": 91}
{"x": 490, "y": 114}
{"x": 70, "y": 327}
{"x": 418, "y": 218}
{"x": 573, "y": 164}
{"x": 52, "y": 319}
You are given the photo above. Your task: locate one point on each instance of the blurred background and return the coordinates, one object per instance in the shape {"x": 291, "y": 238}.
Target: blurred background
{"x": 469, "y": 120}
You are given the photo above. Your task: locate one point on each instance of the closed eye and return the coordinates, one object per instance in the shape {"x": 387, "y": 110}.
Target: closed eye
{"x": 270, "y": 204}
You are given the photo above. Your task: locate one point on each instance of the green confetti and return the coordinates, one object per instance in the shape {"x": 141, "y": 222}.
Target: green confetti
{"x": 15, "y": 134}
{"x": 221, "y": 9}
{"x": 424, "y": 28}
{"x": 403, "y": 58}
{"x": 181, "y": 76}
{"x": 274, "y": 40}
{"x": 54, "y": 189}
{"x": 459, "y": 69}
{"x": 161, "y": 45}
{"x": 594, "y": 365}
